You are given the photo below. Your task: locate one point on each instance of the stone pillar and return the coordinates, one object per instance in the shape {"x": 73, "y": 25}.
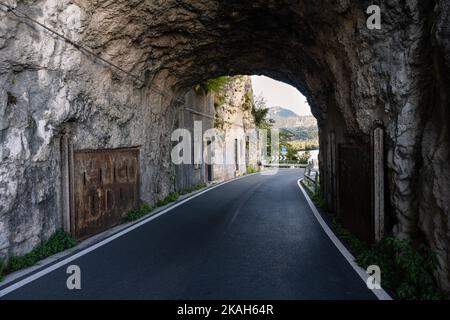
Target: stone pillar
{"x": 378, "y": 182}
{"x": 331, "y": 172}
{"x": 66, "y": 179}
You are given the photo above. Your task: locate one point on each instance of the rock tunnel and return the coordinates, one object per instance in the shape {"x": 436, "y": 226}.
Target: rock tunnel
{"x": 380, "y": 97}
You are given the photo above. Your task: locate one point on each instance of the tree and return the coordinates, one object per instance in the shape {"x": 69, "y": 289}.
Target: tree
{"x": 304, "y": 158}
{"x": 260, "y": 112}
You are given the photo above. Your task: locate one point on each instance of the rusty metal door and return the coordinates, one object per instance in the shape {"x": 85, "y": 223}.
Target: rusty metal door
{"x": 106, "y": 187}
{"x": 355, "y": 190}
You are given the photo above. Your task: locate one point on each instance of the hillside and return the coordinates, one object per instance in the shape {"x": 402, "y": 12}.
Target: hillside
{"x": 298, "y": 128}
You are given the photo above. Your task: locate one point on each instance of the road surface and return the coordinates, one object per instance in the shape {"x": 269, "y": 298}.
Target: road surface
{"x": 252, "y": 238}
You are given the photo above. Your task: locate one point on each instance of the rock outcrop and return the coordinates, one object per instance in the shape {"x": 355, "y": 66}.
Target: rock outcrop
{"x": 234, "y": 121}
{"x": 396, "y": 77}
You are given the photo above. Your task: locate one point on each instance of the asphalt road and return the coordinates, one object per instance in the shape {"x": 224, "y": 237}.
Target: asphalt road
{"x": 253, "y": 238}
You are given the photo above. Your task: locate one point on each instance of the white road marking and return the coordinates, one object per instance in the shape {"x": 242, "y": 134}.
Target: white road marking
{"x": 380, "y": 294}
{"x": 83, "y": 252}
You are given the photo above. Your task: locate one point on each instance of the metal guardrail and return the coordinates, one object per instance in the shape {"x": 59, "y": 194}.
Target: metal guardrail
{"x": 312, "y": 176}
{"x": 285, "y": 165}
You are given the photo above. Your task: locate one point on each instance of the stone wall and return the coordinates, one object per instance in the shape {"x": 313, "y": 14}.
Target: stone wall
{"x": 234, "y": 121}
{"x": 353, "y": 78}
{"x": 52, "y": 90}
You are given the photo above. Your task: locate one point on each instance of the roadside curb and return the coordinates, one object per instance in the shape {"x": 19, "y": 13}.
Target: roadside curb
{"x": 381, "y": 294}
{"x": 19, "y": 278}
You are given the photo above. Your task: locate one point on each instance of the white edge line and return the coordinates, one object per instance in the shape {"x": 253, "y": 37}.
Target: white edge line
{"x": 83, "y": 252}
{"x": 380, "y": 294}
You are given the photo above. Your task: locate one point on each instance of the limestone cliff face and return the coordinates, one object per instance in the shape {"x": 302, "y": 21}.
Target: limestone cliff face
{"x": 234, "y": 104}
{"x": 49, "y": 90}
{"x": 397, "y": 77}
{"x": 234, "y": 120}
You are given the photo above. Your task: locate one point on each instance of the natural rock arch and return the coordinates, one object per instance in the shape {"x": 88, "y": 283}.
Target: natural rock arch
{"x": 353, "y": 77}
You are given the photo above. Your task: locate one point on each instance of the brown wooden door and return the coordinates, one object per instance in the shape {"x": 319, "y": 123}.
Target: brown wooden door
{"x": 106, "y": 187}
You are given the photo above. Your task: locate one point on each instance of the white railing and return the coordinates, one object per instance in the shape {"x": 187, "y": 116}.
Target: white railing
{"x": 312, "y": 176}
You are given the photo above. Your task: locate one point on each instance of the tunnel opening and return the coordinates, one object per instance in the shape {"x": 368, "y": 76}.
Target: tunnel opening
{"x": 351, "y": 163}
{"x": 371, "y": 100}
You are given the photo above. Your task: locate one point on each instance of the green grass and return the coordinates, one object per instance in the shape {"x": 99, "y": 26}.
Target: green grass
{"x": 252, "y": 169}
{"x": 315, "y": 195}
{"x": 193, "y": 189}
{"x": 58, "y": 242}
{"x": 61, "y": 240}
{"x": 318, "y": 199}
{"x": 144, "y": 210}
{"x": 136, "y": 214}
{"x": 172, "y": 197}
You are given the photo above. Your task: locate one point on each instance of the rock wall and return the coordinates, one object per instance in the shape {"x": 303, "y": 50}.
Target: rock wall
{"x": 234, "y": 122}
{"x": 353, "y": 77}
{"x": 50, "y": 90}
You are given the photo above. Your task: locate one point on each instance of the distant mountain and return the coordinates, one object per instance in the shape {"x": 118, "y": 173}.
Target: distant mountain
{"x": 279, "y": 112}
{"x": 296, "y": 127}
{"x": 286, "y": 119}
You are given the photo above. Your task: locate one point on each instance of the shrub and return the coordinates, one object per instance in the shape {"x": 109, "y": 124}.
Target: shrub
{"x": 318, "y": 199}
{"x": 213, "y": 85}
{"x": 304, "y": 158}
{"x": 251, "y": 169}
{"x": 170, "y": 198}
{"x": 58, "y": 242}
{"x": 137, "y": 214}
{"x": 193, "y": 188}
{"x": 406, "y": 269}
{"x": 134, "y": 215}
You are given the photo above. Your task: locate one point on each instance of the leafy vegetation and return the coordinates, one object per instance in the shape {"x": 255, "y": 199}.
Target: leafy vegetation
{"x": 61, "y": 240}
{"x": 304, "y": 134}
{"x": 260, "y": 112}
{"x": 293, "y": 147}
{"x": 292, "y": 151}
{"x": 252, "y": 169}
{"x": 136, "y": 214}
{"x": 172, "y": 197}
{"x": 58, "y": 242}
{"x": 304, "y": 158}
{"x": 305, "y": 145}
{"x": 318, "y": 199}
{"x": 213, "y": 85}
{"x": 193, "y": 188}
{"x": 144, "y": 210}
{"x": 407, "y": 270}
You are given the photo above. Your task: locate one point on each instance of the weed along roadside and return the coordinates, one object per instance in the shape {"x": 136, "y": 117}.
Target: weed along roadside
{"x": 58, "y": 242}
{"x": 61, "y": 241}
{"x": 146, "y": 209}
{"x": 406, "y": 268}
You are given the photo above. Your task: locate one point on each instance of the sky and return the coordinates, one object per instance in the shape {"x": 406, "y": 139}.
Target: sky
{"x": 279, "y": 94}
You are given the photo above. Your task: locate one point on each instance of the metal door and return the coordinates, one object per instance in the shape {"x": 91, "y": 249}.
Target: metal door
{"x": 355, "y": 190}
{"x": 106, "y": 187}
